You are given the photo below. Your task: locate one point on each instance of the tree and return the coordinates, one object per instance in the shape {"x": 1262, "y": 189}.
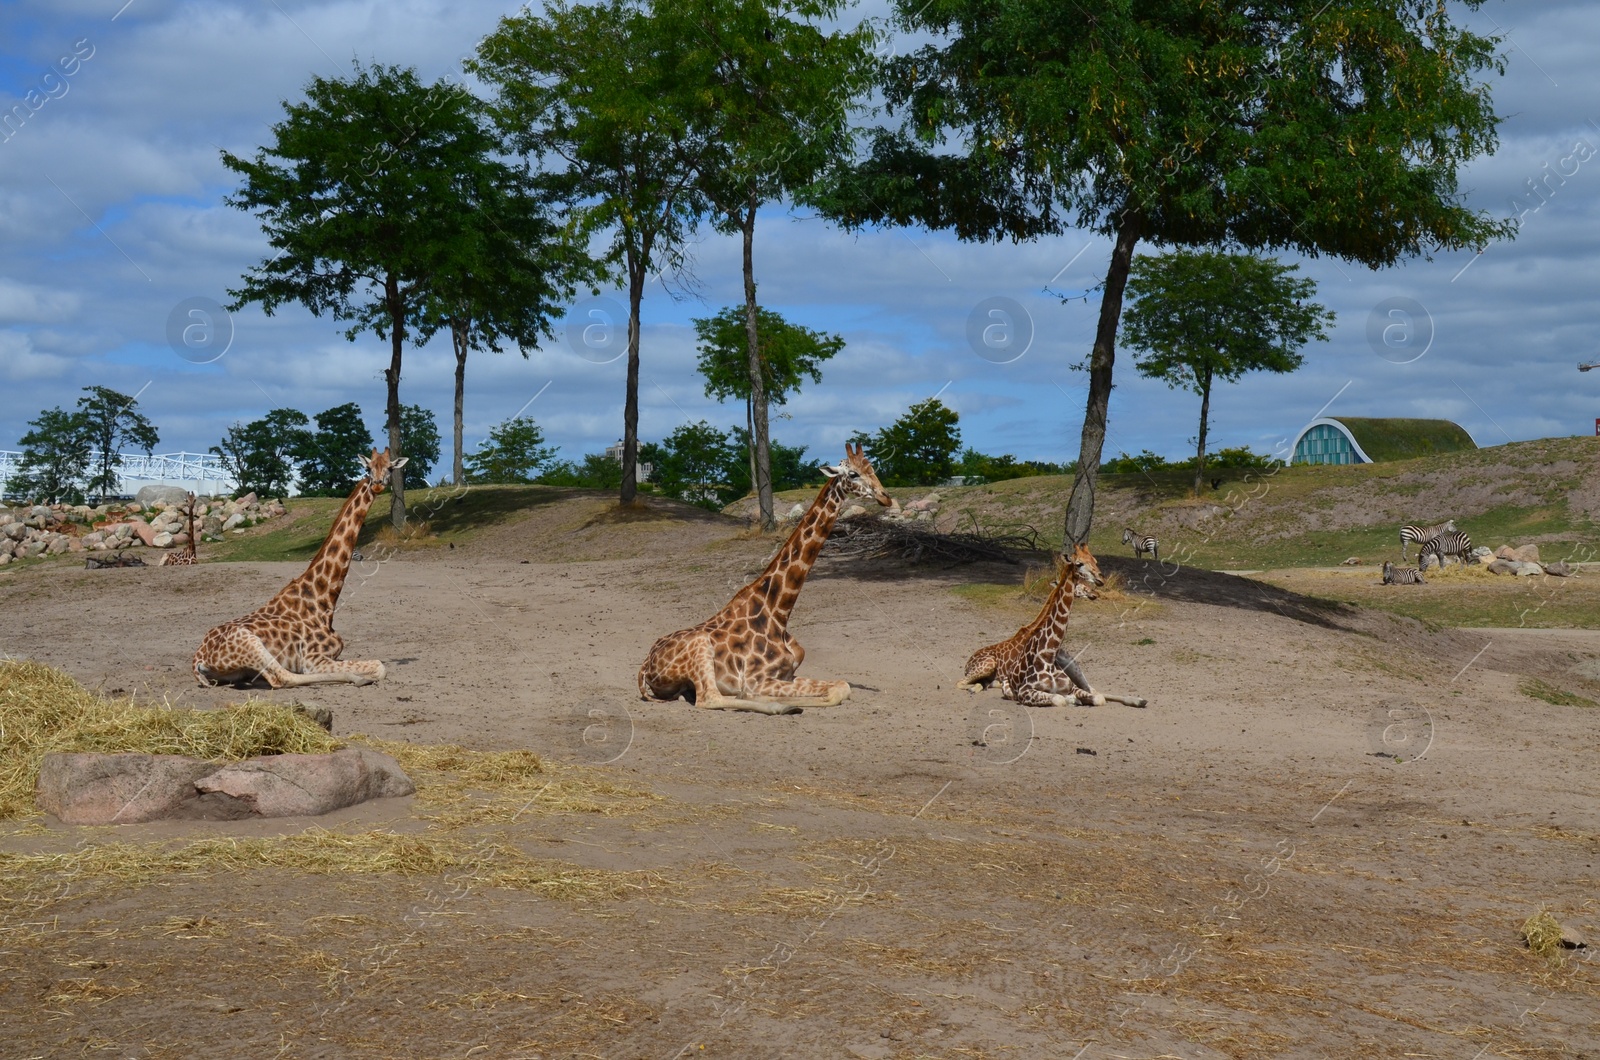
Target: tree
{"x": 1201, "y": 316}
{"x": 790, "y": 470}
{"x": 780, "y": 92}
{"x": 419, "y": 440}
{"x": 513, "y": 453}
{"x": 700, "y": 464}
{"x": 363, "y": 193}
{"x": 55, "y": 459}
{"x": 261, "y": 454}
{"x": 1324, "y": 128}
{"x": 112, "y": 420}
{"x": 597, "y": 471}
{"x": 598, "y": 89}
{"x": 331, "y": 456}
{"x": 919, "y": 448}
{"x": 788, "y": 353}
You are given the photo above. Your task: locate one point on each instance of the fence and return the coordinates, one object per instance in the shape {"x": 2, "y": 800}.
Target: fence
{"x": 199, "y": 473}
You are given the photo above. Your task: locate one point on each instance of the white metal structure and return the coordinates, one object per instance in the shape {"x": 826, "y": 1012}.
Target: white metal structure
{"x": 200, "y": 473}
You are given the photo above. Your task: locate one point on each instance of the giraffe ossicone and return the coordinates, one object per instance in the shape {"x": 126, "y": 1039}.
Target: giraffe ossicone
{"x": 289, "y": 640}
{"x": 1030, "y": 666}
{"x": 743, "y": 657}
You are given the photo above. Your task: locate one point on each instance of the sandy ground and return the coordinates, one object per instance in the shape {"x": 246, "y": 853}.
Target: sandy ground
{"x": 1319, "y": 840}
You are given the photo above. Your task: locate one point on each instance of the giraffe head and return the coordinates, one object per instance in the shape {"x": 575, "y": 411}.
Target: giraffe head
{"x": 858, "y": 477}
{"x": 378, "y": 466}
{"x": 1079, "y": 567}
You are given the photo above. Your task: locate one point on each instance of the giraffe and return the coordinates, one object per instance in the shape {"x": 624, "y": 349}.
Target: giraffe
{"x": 290, "y": 639}
{"x": 743, "y": 657}
{"x": 1031, "y": 667}
{"x": 186, "y": 558}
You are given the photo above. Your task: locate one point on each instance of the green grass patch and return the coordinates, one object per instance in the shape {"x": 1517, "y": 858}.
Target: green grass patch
{"x": 1471, "y": 599}
{"x": 1538, "y": 689}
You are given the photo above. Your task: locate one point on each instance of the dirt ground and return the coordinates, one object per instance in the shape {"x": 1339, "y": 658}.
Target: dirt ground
{"x": 1319, "y": 840}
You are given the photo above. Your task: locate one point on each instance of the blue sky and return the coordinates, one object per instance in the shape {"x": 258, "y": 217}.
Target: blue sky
{"x": 111, "y": 217}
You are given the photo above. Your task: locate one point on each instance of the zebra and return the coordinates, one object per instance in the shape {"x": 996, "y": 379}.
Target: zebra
{"x": 1141, "y": 544}
{"x": 1393, "y": 575}
{"x": 1423, "y": 534}
{"x": 1455, "y": 544}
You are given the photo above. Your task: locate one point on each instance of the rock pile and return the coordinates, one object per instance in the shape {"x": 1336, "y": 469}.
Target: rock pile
{"x": 50, "y": 530}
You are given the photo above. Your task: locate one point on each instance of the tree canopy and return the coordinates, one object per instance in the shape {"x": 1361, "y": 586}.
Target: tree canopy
{"x": 55, "y": 458}
{"x": 1327, "y": 128}
{"x": 919, "y": 448}
{"x": 513, "y": 453}
{"x": 330, "y": 458}
{"x": 112, "y": 420}
{"x": 261, "y": 454}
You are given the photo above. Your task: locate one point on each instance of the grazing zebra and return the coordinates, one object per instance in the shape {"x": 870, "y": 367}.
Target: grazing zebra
{"x": 1141, "y": 544}
{"x": 1393, "y": 575}
{"x": 1423, "y": 534}
{"x": 1455, "y": 544}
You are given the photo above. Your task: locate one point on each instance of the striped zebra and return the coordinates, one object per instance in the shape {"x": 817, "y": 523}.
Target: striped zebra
{"x": 1141, "y": 544}
{"x": 1455, "y": 544}
{"x": 1393, "y": 575}
{"x": 1423, "y": 534}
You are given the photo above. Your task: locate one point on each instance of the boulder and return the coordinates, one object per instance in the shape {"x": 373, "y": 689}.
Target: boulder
{"x": 1560, "y": 569}
{"x": 15, "y": 531}
{"x": 1502, "y": 566}
{"x": 249, "y": 500}
{"x": 232, "y": 521}
{"x": 307, "y": 785}
{"x": 1526, "y": 553}
{"x": 135, "y": 508}
{"x": 1482, "y": 551}
{"x": 128, "y": 788}
{"x": 149, "y": 495}
{"x": 1506, "y": 552}
{"x": 144, "y": 532}
{"x": 1523, "y": 569}
{"x": 58, "y": 544}
{"x": 119, "y": 789}
{"x": 5, "y": 557}
{"x": 162, "y": 540}
{"x": 854, "y": 511}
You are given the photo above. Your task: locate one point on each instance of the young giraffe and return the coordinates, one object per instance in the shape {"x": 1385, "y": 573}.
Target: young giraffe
{"x": 743, "y": 657}
{"x": 985, "y": 663}
{"x": 186, "y": 558}
{"x": 290, "y": 639}
{"x": 1038, "y": 675}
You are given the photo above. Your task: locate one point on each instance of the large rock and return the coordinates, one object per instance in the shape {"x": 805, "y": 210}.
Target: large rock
{"x": 232, "y": 521}
{"x": 1560, "y": 569}
{"x": 1526, "y": 554}
{"x": 15, "y": 531}
{"x": 128, "y": 788}
{"x": 144, "y": 532}
{"x": 1524, "y": 569}
{"x": 1502, "y": 566}
{"x": 162, "y": 540}
{"x": 149, "y": 495}
{"x": 306, "y": 785}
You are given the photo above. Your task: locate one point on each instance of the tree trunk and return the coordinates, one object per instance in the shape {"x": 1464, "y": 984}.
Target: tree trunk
{"x": 750, "y": 438}
{"x": 397, "y": 336}
{"x": 1080, "y": 506}
{"x": 762, "y": 480}
{"x": 630, "y": 411}
{"x": 1205, "y": 412}
{"x": 458, "y": 335}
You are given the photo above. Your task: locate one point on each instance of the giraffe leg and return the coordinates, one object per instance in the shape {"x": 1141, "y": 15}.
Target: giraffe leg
{"x": 326, "y": 671}
{"x": 708, "y": 695}
{"x": 799, "y": 691}
{"x": 1069, "y": 666}
{"x": 372, "y": 669}
{"x": 978, "y": 678}
{"x": 1055, "y": 689}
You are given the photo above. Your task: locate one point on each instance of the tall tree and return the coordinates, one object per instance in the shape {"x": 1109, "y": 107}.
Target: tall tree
{"x": 363, "y": 193}
{"x": 788, "y": 354}
{"x": 55, "y": 458}
{"x": 781, "y": 92}
{"x": 596, "y": 93}
{"x": 1201, "y": 316}
{"x": 261, "y": 454}
{"x": 699, "y": 464}
{"x": 113, "y": 420}
{"x": 919, "y": 448}
{"x": 1328, "y": 128}
{"x": 330, "y": 462}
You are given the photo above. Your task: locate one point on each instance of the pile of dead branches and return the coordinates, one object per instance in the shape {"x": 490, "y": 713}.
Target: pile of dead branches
{"x": 878, "y": 538}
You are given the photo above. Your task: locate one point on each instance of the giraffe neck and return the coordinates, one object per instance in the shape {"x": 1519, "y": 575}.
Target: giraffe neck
{"x": 188, "y": 549}
{"x": 779, "y": 585}
{"x": 1046, "y": 640}
{"x": 324, "y": 576}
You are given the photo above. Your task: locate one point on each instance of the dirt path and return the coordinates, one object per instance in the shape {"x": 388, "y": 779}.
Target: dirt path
{"x": 1320, "y": 839}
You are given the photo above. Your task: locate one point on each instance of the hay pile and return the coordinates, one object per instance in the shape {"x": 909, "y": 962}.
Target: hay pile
{"x": 42, "y": 710}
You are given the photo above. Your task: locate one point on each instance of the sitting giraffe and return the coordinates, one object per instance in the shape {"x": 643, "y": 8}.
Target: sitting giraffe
{"x": 743, "y": 657}
{"x": 186, "y": 558}
{"x": 1031, "y": 667}
{"x": 290, "y": 639}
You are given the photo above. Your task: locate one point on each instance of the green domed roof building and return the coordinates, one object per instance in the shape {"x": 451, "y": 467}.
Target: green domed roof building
{"x": 1364, "y": 440}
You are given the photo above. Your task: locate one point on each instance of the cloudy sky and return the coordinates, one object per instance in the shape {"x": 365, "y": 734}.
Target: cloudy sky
{"x": 112, "y": 227}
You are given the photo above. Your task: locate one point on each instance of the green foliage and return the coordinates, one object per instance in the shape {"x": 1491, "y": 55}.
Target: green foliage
{"x": 1402, "y": 438}
{"x": 261, "y": 455}
{"x": 978, "y": 467}
{"x": 55, "y": 459}
{"x": 112, "y": 420}
{"x": 700, "y": 464}
{"x": 419, "y": 440}
{"x": 514, "y": 452}
{"x": 919, "y": 448}
{"x": 1235, "y": 458}
{"x": 789, "y": 354}
{"x": 597, "y": 471}
{"x": 330, "y": 458}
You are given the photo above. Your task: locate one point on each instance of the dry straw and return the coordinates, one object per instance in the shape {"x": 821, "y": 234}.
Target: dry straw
{"x": 42, "y": 710}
